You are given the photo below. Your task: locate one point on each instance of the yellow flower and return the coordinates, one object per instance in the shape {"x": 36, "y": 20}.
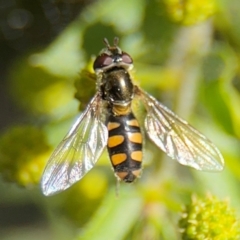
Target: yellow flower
{"x": 209, "y": 218}
{"x": 23, "y": 154}
{"x": 188, "y": 12}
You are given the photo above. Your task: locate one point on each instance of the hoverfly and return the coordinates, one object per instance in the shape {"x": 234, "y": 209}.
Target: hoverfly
{"x": 119, "y": 130}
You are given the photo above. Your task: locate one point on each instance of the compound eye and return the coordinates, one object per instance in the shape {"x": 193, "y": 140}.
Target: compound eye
{"x": 102, "y": 61}
{"x": 126, "y": 58}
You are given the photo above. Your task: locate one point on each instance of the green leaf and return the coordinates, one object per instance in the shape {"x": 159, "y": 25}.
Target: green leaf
{"x": 115, "y": 217}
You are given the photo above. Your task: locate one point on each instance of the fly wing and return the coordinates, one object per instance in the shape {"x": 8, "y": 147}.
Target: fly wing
{"x": 77, "y": 153}
{"x": 178, "y": 139}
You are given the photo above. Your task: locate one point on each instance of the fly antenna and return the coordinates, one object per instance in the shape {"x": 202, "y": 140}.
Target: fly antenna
{"x": 115, "y": 41}
{"x": 106, "y": 42}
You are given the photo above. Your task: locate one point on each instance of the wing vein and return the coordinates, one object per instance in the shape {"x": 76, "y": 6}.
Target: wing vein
{"x": 177, "y": 138}
{"x": 78, "y": 152}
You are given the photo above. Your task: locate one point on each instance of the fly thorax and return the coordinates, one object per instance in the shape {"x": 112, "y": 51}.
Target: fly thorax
{"x": 117, "y": 87}
{"x": 121, "y": 109}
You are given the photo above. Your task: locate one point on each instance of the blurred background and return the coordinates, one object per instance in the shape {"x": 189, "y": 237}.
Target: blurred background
{"x": 186, "y": 54}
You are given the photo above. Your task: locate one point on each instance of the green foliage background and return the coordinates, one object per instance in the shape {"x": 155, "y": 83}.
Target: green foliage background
{"x": 186, "y": 54}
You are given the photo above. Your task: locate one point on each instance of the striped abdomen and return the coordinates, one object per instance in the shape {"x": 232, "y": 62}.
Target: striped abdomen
{"x": 125, "y": 146}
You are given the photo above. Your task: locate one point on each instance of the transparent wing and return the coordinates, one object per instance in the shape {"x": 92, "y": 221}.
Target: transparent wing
{"x": 78, "y": 151}
{"x": 178, "y": 139}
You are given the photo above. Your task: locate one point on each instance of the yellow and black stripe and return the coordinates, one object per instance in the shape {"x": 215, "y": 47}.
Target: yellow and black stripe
{"x": 125, "y": 146}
